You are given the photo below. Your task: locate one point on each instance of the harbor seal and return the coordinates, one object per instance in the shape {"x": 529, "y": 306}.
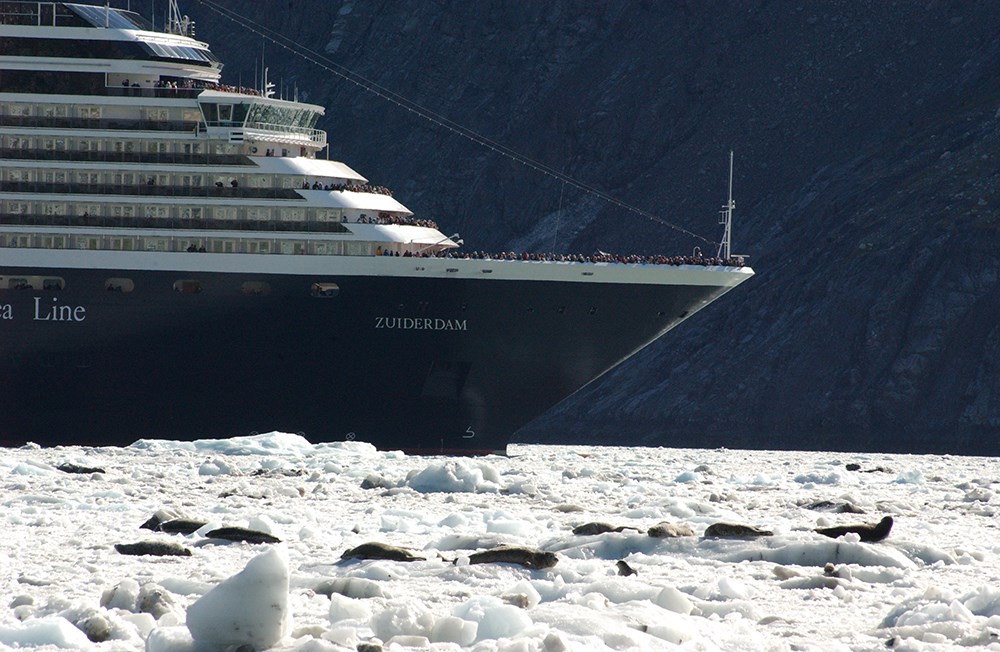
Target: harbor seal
{"x": 69, "y": 467}
{"x": 241, "y": 534}
{"x": 624, "y": 569}
{"x": 870, "y": 532}
{"x": 154, "y": 548}
{"x": 376, "y": 550}
{"x": 735, "y": 531}
{"x": 180, "y": 526}
{"x": 534, "y": 559}
{"x": 599, "y": 528}
{"x": 666, "y": 530}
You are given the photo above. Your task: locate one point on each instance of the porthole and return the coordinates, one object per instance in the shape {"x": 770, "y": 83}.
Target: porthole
{"x": 187, "y": 286}
{"x": 124, "y": 285}
{"x": 51, "y": 283}
{"x": 255, "y": 288}
{"x": 324, "y": 290}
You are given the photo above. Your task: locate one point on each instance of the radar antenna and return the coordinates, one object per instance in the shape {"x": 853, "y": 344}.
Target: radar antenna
{"x": 726, "y": 216}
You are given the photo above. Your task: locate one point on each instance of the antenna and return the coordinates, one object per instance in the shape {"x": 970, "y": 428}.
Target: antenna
{"x": 176, "y": 23}
{"x": 268, "y": 86}
{"x": 726, "y": 216}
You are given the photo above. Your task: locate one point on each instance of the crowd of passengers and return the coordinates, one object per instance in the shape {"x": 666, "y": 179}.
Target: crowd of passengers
{"x": 599, "y": 257}
{"x": 195, "y": 84}
{"x": 386, "y": 218}
{"x": 378, "y": 190}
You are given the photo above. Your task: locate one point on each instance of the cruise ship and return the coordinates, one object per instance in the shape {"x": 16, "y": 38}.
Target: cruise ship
{"x": 179, "y": 259}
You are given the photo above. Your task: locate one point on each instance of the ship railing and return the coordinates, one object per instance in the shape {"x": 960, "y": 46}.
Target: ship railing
{"x": 170, "y": 223}
{"x": 151, "y": 91}
{"x": 265, "y": 129}
{"x": 148, "y": 190}
{"x": 63, "y": 122}
{"x": 123, "y": 157}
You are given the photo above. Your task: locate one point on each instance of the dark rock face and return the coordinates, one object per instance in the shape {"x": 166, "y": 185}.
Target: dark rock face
{"x": 866, "y": 172}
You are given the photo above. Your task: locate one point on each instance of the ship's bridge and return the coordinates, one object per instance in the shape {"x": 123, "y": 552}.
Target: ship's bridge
{"x": 252, "y": 119}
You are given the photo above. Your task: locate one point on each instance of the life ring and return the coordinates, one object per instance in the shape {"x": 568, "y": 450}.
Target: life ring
{"x": 253, "y": 150}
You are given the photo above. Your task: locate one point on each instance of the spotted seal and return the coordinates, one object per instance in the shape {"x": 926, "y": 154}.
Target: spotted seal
{"x": 155, "y": 548}
{"x": 534, "y": 559}
{"x": 624, "y": 569}
{"x": 735, "y": 531}
{"x": 870, "y": 532}
{"x": 377, "y": 550}
{"x": 242, "y": 534}
{"x": 180, "y": 526}
{"x": 599, "y": 528}
{"x": 667, "y": 530}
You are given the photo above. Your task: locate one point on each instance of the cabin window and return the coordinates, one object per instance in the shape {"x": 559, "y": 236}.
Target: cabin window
{"x": 329, "y": 248}
{"x": 187, "y": 286}
{"x": 256, "y": 288}
{"x": 359, "y": 249}
{"x": 123, "y": 285}
{"x": 325, "y": 290}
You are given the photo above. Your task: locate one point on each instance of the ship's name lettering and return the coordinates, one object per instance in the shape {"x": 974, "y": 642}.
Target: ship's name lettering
{"x": 58, "y": 312}
{"x": 6, "y": 311}
{"x": 421, "y": 324}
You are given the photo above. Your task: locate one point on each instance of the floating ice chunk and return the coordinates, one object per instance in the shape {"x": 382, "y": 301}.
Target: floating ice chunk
{"x": 910, "y": 477}
{"x": 527, "y": 590}
{"x": 31, "y": 467}
{"x": 455, "y": 476}
{"x": 816, "y": 477}
{"x": 732, "y": 589}
{"x": 515, "y": 527}
{"x": 170, "y": 639}
{"x": 495, "y": 619}
{"x": 452, "y": 629}
{"x": 123, "y": 596}
{"x": 249, "y": 608}
{"x": 344, "y": 608}
{"x": 217, "y": 466}
{"x": 819, "y": 553}
{"x": 673, "y": 600}
{"x": 984, "y": 601}
{"x": 673, "y": 629}
{"x": 52, "y": 630}
{"x": 402, "y": 619}
{"x": 261, "y": 524}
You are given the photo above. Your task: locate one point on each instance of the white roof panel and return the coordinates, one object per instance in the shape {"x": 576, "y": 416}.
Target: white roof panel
{"x": 365, "y": 201}
{"x": 315, "y": 168}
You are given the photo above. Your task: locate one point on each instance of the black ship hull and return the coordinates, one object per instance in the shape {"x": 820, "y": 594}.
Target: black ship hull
{"x": 429, "y": 365}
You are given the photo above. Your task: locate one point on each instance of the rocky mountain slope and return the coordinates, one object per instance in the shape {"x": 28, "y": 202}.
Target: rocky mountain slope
{"x": 866, "y": 186}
